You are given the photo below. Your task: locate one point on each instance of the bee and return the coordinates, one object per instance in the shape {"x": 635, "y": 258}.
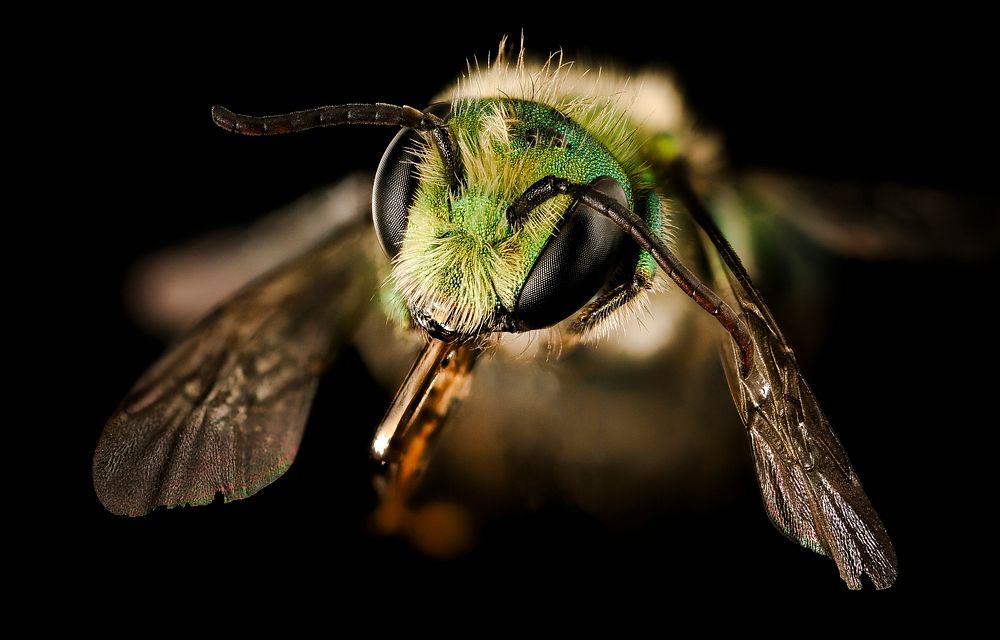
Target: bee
{"x": 532, "y": 201}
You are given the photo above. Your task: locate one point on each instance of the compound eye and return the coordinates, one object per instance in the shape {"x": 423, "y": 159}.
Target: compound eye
{"x": 395, "y": 183}
{"x": 574, "y": 265}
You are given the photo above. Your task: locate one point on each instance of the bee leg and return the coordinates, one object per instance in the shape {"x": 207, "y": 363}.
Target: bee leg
{"x": 603, "y": 309}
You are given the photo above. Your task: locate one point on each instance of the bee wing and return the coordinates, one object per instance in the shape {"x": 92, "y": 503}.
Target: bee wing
{"x": 809, "y": 488}
{"x": 224, "y": 409}
{"x": 170, "y": 290}
{"x": 879, "y": 220}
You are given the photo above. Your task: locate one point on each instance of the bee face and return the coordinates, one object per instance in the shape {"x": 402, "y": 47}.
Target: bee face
{"x": 459, "y": 263}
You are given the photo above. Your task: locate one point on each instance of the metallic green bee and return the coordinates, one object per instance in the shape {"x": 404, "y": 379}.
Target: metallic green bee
{"x": 529, "y": 199}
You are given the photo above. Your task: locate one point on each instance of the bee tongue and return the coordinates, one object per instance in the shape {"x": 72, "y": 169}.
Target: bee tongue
{"x": 434, "y": 328}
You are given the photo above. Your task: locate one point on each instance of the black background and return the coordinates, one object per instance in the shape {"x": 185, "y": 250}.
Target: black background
{"x": 844, "y": 97}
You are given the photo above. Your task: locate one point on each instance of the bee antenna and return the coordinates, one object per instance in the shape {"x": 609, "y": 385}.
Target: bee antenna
{"x": 378, "y": 113}
{"x": 552, "y": 186}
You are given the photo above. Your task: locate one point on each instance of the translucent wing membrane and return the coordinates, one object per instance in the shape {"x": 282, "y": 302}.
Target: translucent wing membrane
{"x": 881, "y": 220}
{"x": 172, "y": 289}
{"x": 809, "y": 489}
{"x": 223, "y": 411}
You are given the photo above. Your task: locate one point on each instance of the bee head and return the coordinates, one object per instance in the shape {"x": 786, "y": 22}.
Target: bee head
{"x": 465, "y": 206}
{"x": 473, "y": 253}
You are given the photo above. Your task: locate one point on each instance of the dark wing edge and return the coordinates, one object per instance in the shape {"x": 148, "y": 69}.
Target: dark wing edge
{"x": 810, "y": 491}
{"x": 224, "y": 409}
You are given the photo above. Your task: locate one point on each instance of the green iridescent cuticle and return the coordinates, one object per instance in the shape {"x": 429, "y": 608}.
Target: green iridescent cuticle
{"x": 507, "y": 145}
